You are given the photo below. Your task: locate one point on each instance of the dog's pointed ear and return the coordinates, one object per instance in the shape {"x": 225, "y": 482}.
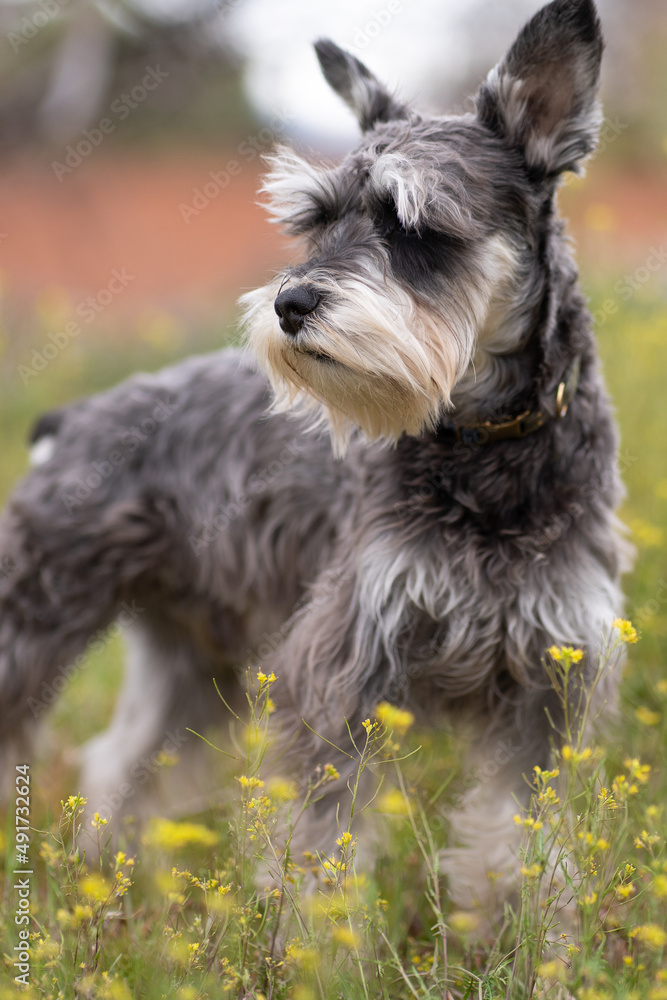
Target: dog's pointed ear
{"x": 543, "y": 97}
{"x": 370, "y": 101}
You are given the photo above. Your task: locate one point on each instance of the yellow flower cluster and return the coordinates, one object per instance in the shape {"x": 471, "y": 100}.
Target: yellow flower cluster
{"x": 646, "y": 716}
{"x": 532, "y": 871}
{"x": 167, "y": 835}
{"x": 394, "y": 719}
{"x": 572, "y": 756}
{"x": 638, "y": 771}
{"x": 73, "y": 805}
{"x": 647, "y": 840}
{"x": 626, "y": 630}
{"x": 206, "y": 885}
{"x": 306, "y": 959}
{"x": 593, "y": 843}
{"x": 565, "y": 654}
{"x": 250, "y": 783}
{"x": 528, "y": 822}
{"x": 651, "y": 935}
{"x": 345, "y": 840}
{"x": 94, "y": 886}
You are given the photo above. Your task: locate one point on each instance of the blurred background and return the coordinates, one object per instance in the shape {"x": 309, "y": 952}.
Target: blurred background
{"x": 131, "y": 135}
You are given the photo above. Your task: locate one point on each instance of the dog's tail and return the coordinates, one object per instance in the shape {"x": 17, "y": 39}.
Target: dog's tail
{"x": 65, "y": 574}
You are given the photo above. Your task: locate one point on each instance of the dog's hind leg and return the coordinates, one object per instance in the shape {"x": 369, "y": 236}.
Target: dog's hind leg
{"x": 63, "y": 580}
{"x": 151, "y": 759}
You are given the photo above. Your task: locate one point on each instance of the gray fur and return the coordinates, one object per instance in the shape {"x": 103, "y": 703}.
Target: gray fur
{"x": 426, "y": 574}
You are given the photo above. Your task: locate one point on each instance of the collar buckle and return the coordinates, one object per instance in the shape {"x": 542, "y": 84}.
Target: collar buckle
{"x": 523, "y": 425}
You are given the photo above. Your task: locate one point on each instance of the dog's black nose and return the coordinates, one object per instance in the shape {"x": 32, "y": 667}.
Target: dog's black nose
{"x": 293, "y": 305}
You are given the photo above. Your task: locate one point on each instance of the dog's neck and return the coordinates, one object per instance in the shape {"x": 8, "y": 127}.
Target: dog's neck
{"x": 525, "y": 354}
{"x": 487, "y": 432}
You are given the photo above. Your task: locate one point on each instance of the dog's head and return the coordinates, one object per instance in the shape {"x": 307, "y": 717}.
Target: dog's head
{"x": 423, "y": 247}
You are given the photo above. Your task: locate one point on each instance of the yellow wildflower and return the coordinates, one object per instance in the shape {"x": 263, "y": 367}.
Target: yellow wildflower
{"x": 49, "y": 853}
{"x": 651, "y": 935}
{"x": 393, "y": 718}
{"x": 250, "y": 783}
{"x": 95, "y": 887}
{"x": 534, "y": 871}
{"x": 569, "y": 754}
{"x": 528, "y": 822}
{"x": 647, "y": 840}
{"x": 646, "y": 716}
{"x": 566, "y": 654}
{"x": 167, "y": 835}
{"x": 463, "y": 922}
{"x": 638, "y": 771}
{"x": 346, "y": 937}
{"x": 74, "y": 803}
{"x": 659, "y": 886}
{"x": 627, "y": 631}
{"x": 553, "y": 970}
{"x": 647, "y": 534}
{"x": 393, "y": 802}
{"x": 307, "y": 959}
{"x": 282, "y": 789}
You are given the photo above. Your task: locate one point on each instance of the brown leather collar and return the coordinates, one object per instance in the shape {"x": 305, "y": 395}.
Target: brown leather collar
{"x": 526, "y": 423}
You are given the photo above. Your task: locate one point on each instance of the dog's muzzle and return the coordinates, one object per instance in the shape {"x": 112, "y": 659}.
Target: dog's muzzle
{"x": 293, "y": 305}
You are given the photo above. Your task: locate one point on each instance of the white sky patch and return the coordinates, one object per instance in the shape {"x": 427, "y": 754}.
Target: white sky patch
{"x": 404, "y": 42}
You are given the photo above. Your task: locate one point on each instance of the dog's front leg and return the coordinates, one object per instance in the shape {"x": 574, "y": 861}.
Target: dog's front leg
{"x": 331, "y": 674}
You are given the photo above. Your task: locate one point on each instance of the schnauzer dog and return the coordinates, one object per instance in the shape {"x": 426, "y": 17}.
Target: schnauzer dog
{"x": 462, "y": 522}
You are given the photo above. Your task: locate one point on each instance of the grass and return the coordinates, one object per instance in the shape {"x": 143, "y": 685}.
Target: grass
{"x": 185, "y": 920}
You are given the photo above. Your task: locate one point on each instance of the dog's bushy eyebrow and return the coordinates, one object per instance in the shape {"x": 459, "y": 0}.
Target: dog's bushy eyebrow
{"x": 425, "y": 194}
{"x": 302, "y": 194}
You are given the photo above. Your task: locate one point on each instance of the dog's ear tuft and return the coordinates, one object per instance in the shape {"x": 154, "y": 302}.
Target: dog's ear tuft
{"x": 370, "y": 101}
{"x": 543, "y": 96}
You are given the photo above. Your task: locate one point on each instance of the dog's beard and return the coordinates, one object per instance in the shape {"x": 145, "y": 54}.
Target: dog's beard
{"x": 368, "y": 357}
